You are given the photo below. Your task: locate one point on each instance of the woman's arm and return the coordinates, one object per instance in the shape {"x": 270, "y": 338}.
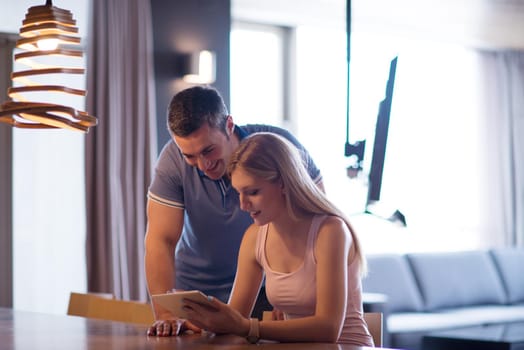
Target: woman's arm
{"x": 248, "y": 276}
{"x": 331, "y": 252}
{"x": 233, "y": 317}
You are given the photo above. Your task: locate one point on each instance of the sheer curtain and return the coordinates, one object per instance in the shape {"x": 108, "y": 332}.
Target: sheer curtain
{"x": 121, "y": 150}
{"x": 504, "y": 146}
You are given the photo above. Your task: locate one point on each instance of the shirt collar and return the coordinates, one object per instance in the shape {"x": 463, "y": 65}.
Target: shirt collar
{"x": 242, "y": 134}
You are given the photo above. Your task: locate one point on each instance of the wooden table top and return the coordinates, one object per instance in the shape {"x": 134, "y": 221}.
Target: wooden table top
{"x": 21, "y": 330}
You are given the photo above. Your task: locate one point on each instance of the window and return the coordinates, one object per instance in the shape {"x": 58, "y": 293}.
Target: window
{"x": 48, "y": 219}
{"x": 432, "y": 157}
{"x": 258, "y": 74}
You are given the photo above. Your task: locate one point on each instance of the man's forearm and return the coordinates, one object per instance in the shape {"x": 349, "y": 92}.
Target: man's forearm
{"x": 160, "y": 273}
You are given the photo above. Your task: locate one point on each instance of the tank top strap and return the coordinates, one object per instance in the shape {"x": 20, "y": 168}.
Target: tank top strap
{"x": 313, "y": 233}
{"x": 260, "y": 245}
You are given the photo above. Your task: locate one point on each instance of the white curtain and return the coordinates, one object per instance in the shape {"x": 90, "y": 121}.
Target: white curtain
{"x": 503, "y": 85}
{"x": 121, "y": 150}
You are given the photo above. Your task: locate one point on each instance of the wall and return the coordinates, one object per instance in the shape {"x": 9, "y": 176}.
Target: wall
{"x": 6, "y": 159}
{"x": 487, "y": 24}
{"x": 183, "y": 27}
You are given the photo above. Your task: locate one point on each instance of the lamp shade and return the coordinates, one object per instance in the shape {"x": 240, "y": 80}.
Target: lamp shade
{"x": 49, "y": 47}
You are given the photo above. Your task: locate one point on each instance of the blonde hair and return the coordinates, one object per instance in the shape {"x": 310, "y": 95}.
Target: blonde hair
{"x": 273, "y": 158}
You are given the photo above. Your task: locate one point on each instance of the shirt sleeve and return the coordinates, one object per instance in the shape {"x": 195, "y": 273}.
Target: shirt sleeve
{"x": 166, "y": 187}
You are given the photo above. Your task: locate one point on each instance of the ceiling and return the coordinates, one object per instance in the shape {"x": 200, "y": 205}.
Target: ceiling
{"x": 478, "y": 23}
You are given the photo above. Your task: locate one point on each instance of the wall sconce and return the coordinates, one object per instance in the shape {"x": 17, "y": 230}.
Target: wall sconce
{"x": 48, "y": 36}
{"x": 198, "y": 67}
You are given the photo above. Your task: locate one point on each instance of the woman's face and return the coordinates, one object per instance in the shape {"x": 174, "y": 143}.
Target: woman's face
{"x": 263, "y": 200}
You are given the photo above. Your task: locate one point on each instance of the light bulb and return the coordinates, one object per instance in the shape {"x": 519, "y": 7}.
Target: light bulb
{"x": 47, "y": 44}
{"x": 206, "y": 66}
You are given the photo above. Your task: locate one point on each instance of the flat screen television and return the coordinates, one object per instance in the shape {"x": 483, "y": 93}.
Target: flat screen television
{"x": 381, "y": 137}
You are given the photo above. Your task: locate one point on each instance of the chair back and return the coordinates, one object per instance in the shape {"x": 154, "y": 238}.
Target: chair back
{"x": 106, "y": 307}
{"x": 374, "y": 322}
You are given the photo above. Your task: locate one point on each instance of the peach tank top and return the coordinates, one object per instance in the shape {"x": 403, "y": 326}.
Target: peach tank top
{"x": 295, "y": 293}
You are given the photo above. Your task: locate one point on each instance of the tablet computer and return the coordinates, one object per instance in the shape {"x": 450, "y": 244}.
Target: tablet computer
{"x": 173, "y": 301}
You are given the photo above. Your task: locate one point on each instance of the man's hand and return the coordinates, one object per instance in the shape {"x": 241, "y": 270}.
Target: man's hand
{"x": 171, "y": 327}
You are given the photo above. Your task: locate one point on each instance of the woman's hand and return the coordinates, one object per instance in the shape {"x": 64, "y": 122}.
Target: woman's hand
{"x": 171, "y": 327}
{"x": 216, "y": 317}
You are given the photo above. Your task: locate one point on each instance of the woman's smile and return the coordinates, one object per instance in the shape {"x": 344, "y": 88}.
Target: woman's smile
{"x": 254, "y": 214}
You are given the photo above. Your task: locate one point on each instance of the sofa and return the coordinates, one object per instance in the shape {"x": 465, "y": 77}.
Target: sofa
{"x": 433, "y": 291}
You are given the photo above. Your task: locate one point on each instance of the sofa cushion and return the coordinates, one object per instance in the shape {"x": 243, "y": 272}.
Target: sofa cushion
{"x": 427, "y": 321}
{"x": 450, "y": 279}
{"x": 487, "y": 314}
{"x": 510, "y": 264}
{"x": 390, "y": 274}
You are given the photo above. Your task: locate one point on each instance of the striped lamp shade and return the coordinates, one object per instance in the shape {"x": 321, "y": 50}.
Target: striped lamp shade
{"x": 50, "y": 55}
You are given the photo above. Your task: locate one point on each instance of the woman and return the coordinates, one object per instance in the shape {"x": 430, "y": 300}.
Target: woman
{"x": 301, "y": 242}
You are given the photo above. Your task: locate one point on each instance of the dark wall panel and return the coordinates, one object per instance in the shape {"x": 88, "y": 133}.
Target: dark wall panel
{"x": 7, "y": 44}
{"x": 183, "y": 26}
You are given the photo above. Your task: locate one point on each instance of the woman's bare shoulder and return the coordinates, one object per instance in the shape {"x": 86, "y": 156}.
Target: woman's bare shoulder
{"x": 251, "y": 232}
{"x": 334, "y": 228}
{"x": 334, "y": 223}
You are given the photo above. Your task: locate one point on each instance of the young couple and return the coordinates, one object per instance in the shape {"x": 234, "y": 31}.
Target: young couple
{"x": 296, "y": 240}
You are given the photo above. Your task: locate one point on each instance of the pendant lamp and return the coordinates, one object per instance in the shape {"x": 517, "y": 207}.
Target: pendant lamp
{"x": 48, "y": 45}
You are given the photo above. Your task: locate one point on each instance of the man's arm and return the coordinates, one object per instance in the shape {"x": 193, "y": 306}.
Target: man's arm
{"x": 164, "y": 228}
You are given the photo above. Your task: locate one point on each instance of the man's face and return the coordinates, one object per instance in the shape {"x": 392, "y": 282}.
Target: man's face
{"x": 208, "y": 149}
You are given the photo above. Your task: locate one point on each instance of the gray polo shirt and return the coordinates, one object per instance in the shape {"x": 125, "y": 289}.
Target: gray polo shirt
{"x": 206, "y": 255}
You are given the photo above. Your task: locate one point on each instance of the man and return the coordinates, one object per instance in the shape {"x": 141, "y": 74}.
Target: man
{"x": 195, "y": 224}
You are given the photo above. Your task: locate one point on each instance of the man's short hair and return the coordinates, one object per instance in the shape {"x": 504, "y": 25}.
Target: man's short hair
{"x": 192, "y": 107}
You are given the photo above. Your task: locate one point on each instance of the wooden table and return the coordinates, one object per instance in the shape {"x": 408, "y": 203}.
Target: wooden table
{"x": 21, "y": 330}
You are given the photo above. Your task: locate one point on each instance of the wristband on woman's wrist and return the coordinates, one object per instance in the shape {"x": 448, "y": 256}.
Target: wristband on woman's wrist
{"x": 254, "y": 332}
